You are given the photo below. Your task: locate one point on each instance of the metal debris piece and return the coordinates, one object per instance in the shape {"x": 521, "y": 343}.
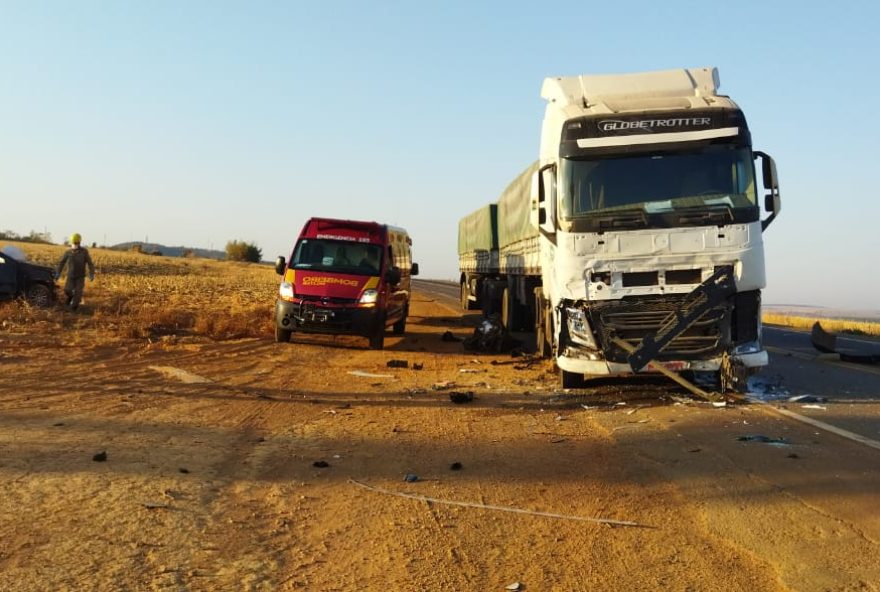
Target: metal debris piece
{"x": 857, "y": 352}
{"x": 320, "y": 464}
{"x": 100, "y": 457}
{"x": 410, "y": 477}
{"x": 363, "y": 374}
{"x": 762, "y": 439}
{"x": 397, "y": 364}
{"x": 460, "y": 397}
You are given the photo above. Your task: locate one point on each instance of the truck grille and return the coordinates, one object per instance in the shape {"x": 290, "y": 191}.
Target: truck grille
{"x": 631, "y": 319}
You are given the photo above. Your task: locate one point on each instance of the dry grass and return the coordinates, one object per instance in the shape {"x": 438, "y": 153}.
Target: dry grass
{"x": 137, "y": 296}
{"x": 851, "y": 327}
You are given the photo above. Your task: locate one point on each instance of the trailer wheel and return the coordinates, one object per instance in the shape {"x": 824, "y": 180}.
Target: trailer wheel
{"x": 466, "y": 303}
{"x": 282, "y": 335}
{"x": 509, "y": 310}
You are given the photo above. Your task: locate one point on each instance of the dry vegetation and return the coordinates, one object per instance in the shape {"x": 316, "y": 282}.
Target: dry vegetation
{"x": 143, "y": 296}
{"x": 136, "y": 295}
{"x": 852, "y": 327}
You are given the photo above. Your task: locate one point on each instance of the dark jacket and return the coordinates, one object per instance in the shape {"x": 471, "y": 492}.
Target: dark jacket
{"x": 76, "y": 260}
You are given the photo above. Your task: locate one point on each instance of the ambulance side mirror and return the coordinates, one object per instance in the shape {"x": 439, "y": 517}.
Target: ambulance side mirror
{"x": 279, "y": 265}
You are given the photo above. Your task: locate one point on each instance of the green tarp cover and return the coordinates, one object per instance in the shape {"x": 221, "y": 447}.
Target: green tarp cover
{"x": 478, "y": 230}
{"x": 513, "y": 209}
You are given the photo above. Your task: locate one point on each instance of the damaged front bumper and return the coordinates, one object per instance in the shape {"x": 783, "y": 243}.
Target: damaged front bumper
{"x": 582, "y": 363}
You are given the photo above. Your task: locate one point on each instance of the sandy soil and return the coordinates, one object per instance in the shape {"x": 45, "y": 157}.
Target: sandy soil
{"x": 210, "y": 479}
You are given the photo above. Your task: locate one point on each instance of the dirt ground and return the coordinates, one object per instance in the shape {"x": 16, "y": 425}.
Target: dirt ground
{"x": 250, "y": 465}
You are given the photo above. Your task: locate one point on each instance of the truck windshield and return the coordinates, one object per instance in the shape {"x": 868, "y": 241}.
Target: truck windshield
{"x": 714, "y": 185}
{"x": 337, "y": 256}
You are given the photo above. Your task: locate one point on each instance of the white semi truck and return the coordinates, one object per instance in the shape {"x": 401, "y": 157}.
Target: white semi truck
{"x": 637, "y": 235}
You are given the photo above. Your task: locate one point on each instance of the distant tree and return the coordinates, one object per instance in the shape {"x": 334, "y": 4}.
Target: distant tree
{"x": 241, "y": 251}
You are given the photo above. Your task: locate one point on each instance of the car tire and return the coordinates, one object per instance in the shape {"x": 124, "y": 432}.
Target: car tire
{"x": 39, "y": 295}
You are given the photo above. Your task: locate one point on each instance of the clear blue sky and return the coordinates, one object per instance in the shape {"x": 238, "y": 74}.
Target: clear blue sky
{"x": 193, "y": 123}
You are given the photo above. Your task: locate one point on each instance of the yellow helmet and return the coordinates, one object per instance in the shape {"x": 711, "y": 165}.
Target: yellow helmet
{"x": 75, "y": 238}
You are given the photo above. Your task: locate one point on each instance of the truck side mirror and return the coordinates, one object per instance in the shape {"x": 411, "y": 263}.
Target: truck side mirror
{"x": 773, "y": 200}
{"x": 392, "y": 276}
{"x": 279, "y": 265}
{"x": 543, "y": 199}
{"x": 415, "y": 269}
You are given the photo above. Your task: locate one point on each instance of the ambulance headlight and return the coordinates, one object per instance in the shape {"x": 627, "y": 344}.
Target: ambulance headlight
{"x": 286, "y": 290}
{"x": 578, "y": 327}
{"x": 369, "y": 297}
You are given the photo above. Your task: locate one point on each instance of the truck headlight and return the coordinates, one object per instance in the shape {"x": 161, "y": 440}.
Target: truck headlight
{"x": 369, "y": 297}
{"x": 579, "y": 328}
{"x": 286, "y": 290}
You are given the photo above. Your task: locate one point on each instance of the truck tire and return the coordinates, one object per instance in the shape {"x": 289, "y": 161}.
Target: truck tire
{"x": 282, "y": 335}
{"x": 543, "y": 326}
{"x": 570, "y": 380}
{"x": 466, "y": 303}
{"x": 507, "y": 310}
{"x": 39, "y": 295}
{"x": 399, "y": 328}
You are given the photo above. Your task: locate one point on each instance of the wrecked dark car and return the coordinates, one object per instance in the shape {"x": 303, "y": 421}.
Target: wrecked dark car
{"x": 28, "y": 281}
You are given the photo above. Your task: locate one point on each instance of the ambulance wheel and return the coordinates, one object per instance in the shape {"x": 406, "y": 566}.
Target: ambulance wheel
{"x": 282, "y": 335}
{"x": 377, "y": 338}
{"x": 399, "y": 328}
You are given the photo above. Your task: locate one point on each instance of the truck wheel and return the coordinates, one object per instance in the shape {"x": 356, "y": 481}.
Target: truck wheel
{"x": 466, "y": 304}
{"x": 39, "y": 295}
{"x": 507, "y": 310}
{"x": 570, "y": 380}
{"x": 399, "y": 328}
{"x": 282, "y": 335}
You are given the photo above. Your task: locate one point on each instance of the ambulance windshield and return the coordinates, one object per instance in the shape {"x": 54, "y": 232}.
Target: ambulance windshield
{"x": 337, "y": 257}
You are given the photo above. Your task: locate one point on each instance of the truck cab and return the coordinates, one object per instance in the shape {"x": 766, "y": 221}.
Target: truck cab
{"x": 345, "y": 277}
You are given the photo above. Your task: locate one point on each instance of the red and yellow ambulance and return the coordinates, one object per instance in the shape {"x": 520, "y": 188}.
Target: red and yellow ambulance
{"x": 345, "y": 277}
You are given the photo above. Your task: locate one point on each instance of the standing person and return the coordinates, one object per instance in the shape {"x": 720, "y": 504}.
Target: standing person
{"x": 76, "y": 258}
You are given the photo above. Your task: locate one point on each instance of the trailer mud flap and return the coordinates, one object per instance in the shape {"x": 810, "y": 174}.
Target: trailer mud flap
{"x": 717, "y": 288}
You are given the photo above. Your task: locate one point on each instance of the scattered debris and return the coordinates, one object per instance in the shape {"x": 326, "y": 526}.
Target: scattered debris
{"x": 514, "y": 586}
{"x": 792, "y": 455}
{"x": 418, "y": 365}
{"x": 397, "y": 364}
{"x": 415, "y": 390}
{"x": 448, "y": 336}
{"x": 442, "y": 386}
{"x": 57, "y": 425}
{"x": 179, "y": 374}
{"x": 762, "y": 439}
{"x": 456, "y": 466}
{"x": 363, "y": 374}
{"x": 491, "y": 336}
{"x": 460, "y": 397}
{"x": 822, "y": 407}
{"x": 807, "y": 399}
{"x": 183, "y": 470}
{"x": 321, "y": 464}
{"x": 470, "y": 370}
{"x": 410, "y": 477}
{"x": 100, "y": 457}
{"x": 435, "y": 500}
{"x": 856, "y": 352}
{"x": 155, "y": 506}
